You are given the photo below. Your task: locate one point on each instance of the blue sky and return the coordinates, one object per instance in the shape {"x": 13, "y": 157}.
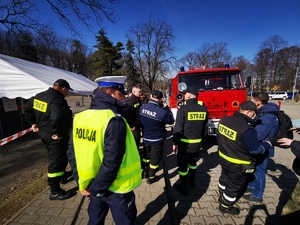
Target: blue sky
{"x": 242, "y": 24}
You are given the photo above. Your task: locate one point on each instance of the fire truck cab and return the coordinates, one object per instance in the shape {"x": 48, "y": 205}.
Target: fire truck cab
{"x": 220, "y": 89}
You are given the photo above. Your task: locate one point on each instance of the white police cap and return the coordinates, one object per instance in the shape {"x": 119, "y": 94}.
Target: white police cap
{"x": 116, "y": 82}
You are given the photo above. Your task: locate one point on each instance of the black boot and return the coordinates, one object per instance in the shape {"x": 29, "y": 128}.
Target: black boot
{"x": 192, "y": 178}
{"x": 61, "y": 195}
{"x": 221, "y": 191}
{"x": 182, "y": 187}
{"x": 227, "y": 207}
{"x": 152, "y": 178}
{"x": 146, "y": 172}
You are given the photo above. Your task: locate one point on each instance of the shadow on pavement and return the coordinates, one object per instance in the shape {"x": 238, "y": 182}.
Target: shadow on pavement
{"x": 286, "y": 181}
{"x": 202, "y": 183}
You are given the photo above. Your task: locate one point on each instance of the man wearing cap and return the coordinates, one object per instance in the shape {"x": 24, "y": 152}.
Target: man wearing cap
{"x": 188, "y": 133}
{"x": 238, "y": 144}
{"x": 154, "y": 116}
{"x": 107, "y": 158}
{"x": 49, "y": 114}
{"x": 266, "y": 130}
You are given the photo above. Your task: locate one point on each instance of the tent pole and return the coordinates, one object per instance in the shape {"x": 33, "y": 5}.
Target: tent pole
{"x": 82, "y": 100}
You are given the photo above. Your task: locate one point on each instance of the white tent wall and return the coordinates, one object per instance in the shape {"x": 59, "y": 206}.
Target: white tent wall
{"x": 21, "y": 80}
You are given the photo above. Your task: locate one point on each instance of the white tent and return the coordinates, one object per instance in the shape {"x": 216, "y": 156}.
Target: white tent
{"x": 21, "y": 78}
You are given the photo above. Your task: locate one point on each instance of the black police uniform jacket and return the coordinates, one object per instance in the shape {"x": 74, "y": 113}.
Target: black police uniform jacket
{"x": 50, "y": 111}
{"x": 230, "y": 134}
{"x": 134, "y": 118}
{"x": 190, "y": 124}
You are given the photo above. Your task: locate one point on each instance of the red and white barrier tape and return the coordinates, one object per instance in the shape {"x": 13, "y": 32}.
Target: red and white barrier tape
{"x": 14, "y": 136}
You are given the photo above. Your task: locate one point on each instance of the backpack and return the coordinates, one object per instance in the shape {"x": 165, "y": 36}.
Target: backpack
{"x": 285, "y": 124}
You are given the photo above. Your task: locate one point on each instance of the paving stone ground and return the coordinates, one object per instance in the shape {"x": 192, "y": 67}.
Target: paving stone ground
{"x": 160, "y": 203}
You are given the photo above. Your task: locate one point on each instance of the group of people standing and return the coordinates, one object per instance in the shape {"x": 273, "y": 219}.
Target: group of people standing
{"x": 111, "y": 160}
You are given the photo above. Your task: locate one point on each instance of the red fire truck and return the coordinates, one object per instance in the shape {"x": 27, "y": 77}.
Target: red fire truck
{"x": 220, "y": 89}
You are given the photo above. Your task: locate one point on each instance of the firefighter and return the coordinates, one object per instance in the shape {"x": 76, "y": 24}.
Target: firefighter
{"x": 188, "y": 133}
{"x": 134, "y": 120}
{"x": 107, "y": 158}
{"x": 154, "y": 116}
{"x": 49, "y": 114}
{"x": 237, "y": 144}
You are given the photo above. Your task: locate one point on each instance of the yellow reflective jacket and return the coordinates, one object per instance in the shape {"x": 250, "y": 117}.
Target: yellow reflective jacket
{"x": 88, "y": 138}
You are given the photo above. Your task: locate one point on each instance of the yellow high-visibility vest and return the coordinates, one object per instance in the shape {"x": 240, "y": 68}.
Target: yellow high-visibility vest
{"x": 88, "y": 136}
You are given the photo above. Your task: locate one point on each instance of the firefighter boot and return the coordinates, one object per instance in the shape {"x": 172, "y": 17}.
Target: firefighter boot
{"x": 145, "y": 171}
{"x": 152, "y": 178}
{"x": 221, "y": 191}
{"x": 192, "y": 178}
{"x": 182, "y": 187}
{"x": 227, "y": 207}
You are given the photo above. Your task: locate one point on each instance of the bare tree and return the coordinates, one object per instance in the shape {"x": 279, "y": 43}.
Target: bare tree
{"x": 154, "y": 49}
{"x": 274, "y": 44}
{"x": 189, "y": 60}
{"x": 219, "y": 54}
{"x": 204, "y": 56}
{"x": 18, "y": 15}
{"x": 261, "y": 68}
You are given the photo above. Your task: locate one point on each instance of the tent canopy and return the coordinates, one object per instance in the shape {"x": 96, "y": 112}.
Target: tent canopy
{"x": 21, "y": 78}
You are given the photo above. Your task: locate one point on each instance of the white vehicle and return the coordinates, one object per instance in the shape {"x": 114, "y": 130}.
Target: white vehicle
{"x": 278, "y": 95}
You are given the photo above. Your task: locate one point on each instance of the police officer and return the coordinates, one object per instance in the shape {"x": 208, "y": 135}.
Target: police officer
{"x": 133, "y": 120}
{"x": 154, "y": 116}
{"x": 49, "y": 114}
{"x": 107, "y": 158}
{"x": 237, "y": 144}
{"x": 188, "y": 133}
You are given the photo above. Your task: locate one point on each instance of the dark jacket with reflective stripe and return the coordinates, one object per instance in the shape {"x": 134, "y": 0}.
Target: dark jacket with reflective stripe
{"x": 154, "y": 119}
{"x": 238, "y": 140}
{"x": 190, "y": 123}
{"x": 50, "y": 111}
{"x": 134, "y": 118}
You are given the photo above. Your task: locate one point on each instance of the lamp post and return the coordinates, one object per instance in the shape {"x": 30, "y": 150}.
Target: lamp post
{"x": 294, "y": 87}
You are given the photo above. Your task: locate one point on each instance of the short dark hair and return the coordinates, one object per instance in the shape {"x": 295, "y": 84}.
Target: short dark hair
{"x": 263, "y": 97}
{"x": 104, "y": 89}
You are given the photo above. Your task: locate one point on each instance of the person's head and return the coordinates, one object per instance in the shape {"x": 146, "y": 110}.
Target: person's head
{"x": 113, "y": 86}
{"x": 157, "y": 96}
{"x": 191, "y": 92}
{"x": 62, "y": 86}
{"x": 113, "y": 92}
{"x": 260, "y": 99}
{"x": 248, "y": 108}
{"x": 137, "y": 90}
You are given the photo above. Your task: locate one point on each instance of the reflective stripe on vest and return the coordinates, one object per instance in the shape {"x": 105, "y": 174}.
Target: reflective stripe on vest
{"x": 88, "y": 138}
{"x": 191, "y": 141}
{"x": 233, "y": 160}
